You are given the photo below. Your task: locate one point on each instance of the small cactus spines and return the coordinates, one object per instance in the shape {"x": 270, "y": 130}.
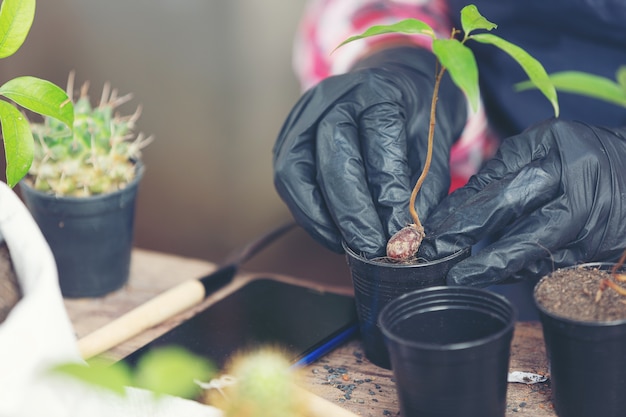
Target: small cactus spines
{"x": 98, "y": 157}
{"x": 265, "y": 386}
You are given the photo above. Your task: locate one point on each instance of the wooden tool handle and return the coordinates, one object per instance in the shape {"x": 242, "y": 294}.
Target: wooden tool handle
{"x": 145, "y": 316}
{"x": 321, "y": 407}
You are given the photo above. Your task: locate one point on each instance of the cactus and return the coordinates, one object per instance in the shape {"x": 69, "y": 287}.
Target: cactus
{"x": 98, "y": 157}
{"x": 265, "y": 387}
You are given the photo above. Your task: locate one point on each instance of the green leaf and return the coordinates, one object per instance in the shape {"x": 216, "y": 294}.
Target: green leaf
{"x": 471, "y": 19}
{"x": 114, "y": 377}
{"x": 40, "y": 96}
{"x": 408, "y": 26}
{"x": 459, "y": 60}
{"x": 18, "y": 142}
{"x": 172, "y": 370}
{"x": 585, "y": 84}
{"x": 533, "y": 68}
{"x": 16, "y": 18}
{"x": 620, "y": 76}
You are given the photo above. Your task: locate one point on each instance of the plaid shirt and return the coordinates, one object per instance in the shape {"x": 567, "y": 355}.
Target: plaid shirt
{"x": 326, "y": 23}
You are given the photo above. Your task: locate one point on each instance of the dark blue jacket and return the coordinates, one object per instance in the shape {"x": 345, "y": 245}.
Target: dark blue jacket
{"x": 583, "y": 35}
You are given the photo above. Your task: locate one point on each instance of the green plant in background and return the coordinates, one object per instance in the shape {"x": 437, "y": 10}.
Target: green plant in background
{"x": 586, "y": 84}
{"x": 454, "y": 56}
{"x": 34, "y": 94}
{"x": 98, "y": 156}
{"x": 163, "y": 371}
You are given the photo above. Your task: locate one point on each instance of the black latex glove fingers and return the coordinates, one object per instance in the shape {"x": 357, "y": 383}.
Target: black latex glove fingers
{"x": 553, "y": 196}
{"x": 327, "y": 174}
{"x": 342, "y": 161}
{"x": 363, "y": 173}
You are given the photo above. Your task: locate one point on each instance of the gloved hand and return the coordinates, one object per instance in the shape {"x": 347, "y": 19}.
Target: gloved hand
{"x": 351, "y": 149}
{"x": 553, "y": 196}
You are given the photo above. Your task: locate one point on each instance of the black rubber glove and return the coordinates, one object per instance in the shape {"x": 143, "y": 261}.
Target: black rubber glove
{"x": 553, "y": 196}
{"x": 352, "y": 147}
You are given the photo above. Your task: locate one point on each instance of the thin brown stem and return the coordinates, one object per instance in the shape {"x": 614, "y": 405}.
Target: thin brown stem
{"x": 619, "y": 277}
{"x": 429, "y": 152}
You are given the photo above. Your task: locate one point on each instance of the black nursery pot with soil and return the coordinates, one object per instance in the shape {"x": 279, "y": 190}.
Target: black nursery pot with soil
{"x": 587, "y": 355}
{"x": 91, "y": 238}
{"x": 377, "y": 283}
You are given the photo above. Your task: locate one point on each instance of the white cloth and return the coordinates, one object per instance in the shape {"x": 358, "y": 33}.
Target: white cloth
{"x": 38, "y": 334}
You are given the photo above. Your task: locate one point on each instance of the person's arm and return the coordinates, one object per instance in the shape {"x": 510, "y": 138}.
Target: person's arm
{"x": 327, "y": 23}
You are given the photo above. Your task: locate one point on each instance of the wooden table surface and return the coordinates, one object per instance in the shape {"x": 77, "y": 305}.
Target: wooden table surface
{"x": 344, "y": 377}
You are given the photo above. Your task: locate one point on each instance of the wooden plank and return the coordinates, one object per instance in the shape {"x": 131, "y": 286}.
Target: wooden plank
{"x": 344, "y": 377}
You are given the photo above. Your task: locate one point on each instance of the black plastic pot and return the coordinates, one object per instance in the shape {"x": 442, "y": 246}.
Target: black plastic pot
{"x": 450, "y": 350}
{"x": 91, "y": 238}
{"x": 377, "y": 283}
{"x": 587, "y": 363}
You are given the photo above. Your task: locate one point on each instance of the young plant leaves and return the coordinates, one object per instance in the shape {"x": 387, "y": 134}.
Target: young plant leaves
{"x": 585, "y": 84}
{"x": 113, "y": 377}
{"x": 471, "y": 19}
{"x": 40, "y": 96}
{"x": 18, "y": 142}
{"x": 408, "y": 26}
{"x": 460, "y": 62}
{"x": 172, "y": 370}
{"x": 535, "y": 71}
{"x": 621, "y": 77}
{"x": 16, "y": 18}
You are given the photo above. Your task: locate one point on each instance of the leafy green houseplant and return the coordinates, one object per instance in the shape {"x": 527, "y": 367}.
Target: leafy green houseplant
{"x": 82, "y": 188}
{"x": 32, "y": 93}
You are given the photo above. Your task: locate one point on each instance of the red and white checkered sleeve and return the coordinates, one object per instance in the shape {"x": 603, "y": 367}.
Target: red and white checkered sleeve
{"x": 327, "y": 23}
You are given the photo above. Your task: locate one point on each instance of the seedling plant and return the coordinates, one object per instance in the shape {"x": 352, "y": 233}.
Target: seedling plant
{"x": 455, "y": 57}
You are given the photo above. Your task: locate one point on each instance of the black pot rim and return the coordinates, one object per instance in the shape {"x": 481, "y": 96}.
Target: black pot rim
{"x": 574, "y": 321}
{"x": 508, "y": 326}
{"x": 139, "y": 171}
{"x": 353, "y": 254}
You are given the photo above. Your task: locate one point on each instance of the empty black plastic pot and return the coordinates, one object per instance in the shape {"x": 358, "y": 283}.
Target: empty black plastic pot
{"x": 376, "y": 283}
{"x": 91, "y": 238}
{"x": 587, "y": 363}
{"x": 450, "y": 350}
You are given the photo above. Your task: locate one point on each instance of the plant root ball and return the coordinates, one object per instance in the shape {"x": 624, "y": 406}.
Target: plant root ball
{"x": 404, "y": 244}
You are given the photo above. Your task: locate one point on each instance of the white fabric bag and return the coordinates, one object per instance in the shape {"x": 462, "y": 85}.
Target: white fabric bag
{"x": 38, "y": 334}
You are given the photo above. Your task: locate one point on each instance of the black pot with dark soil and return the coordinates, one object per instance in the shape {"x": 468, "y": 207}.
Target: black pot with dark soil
{"x": 584, "y": 327}
{"x": 376, "y": 283}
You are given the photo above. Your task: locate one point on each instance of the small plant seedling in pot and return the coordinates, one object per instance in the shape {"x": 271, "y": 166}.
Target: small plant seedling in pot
{"x": 455, "y": 57}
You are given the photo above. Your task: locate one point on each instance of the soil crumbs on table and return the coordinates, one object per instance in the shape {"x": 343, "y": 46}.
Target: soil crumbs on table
{"x": 572, "y": 292}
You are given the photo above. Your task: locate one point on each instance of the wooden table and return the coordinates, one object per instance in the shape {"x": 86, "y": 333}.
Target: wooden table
{"x": 344, "y": 377}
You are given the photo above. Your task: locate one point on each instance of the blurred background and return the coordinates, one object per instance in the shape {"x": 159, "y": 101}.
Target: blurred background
{"x": 215, "y": 81}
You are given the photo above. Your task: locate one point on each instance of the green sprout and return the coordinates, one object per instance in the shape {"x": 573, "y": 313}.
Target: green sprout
{"x": 590, "y": 85}
{"x": 168, "y": 370}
